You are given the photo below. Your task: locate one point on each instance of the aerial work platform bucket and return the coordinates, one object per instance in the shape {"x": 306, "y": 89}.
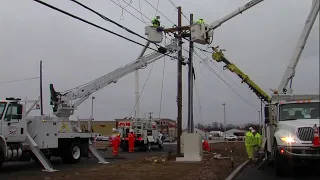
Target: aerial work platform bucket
{"x": 154, "y": 34}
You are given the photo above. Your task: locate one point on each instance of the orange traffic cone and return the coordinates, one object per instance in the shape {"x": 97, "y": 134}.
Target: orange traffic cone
{"x": 316, "y": 142}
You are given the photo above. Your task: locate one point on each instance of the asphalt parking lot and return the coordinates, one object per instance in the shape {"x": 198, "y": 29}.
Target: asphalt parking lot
{"x": 303, "y": 173}
{"x": 18, "y": 170}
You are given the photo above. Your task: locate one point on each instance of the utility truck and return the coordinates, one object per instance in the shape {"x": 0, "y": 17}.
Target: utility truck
{"x": 147, "y": 134}
{"x": 291, "y": 130}
{"x": 23, "y": 137}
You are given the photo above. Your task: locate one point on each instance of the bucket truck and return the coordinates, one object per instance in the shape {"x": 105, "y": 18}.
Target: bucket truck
{"x": 23, "y": 137}
{"x": 291, "y": 121}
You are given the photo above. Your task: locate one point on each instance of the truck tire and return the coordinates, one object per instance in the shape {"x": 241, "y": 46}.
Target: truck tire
{"x": 73, "y": 154}
{"x": 2, "y": 157}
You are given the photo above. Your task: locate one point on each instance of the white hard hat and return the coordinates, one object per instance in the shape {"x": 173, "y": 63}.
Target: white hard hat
{"x": 250, "y": 128}
{"x": 253, "y": 130}
{"x": 131, "y": 130}
{"x": 114, "y": 129}
{"x": 202, "y": 140}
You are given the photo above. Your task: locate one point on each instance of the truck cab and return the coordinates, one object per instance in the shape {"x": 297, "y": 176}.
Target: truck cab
{"x": 290, "y": 123}
{"x": 12, "y": 120}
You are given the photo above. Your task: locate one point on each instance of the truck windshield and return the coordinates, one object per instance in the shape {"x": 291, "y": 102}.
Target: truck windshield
{"x": 2, "y": 107}
{"x": 299, "y": 111}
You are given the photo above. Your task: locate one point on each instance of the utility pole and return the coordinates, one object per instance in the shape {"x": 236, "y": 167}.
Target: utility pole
{"x": 179, "y": 83}
{"x": 225, "y": 120}
{"x": 190, "y": 84}
{"x": 41, "y": 91}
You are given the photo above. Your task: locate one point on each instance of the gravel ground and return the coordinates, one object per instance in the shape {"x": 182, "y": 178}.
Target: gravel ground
{"x": 139, "y": 166}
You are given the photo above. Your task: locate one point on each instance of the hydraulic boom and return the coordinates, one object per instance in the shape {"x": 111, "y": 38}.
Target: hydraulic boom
{"x": 65, "y": 103}
{"x": 219, "y": 57}
{"x": 290, "y": 71}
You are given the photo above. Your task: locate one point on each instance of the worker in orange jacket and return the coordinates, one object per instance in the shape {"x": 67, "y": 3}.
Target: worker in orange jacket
{"x": 115, "y": 141}
{"x": 131, "y": 140}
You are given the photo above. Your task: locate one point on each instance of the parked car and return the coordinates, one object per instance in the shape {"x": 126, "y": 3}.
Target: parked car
{"x": 231, "y": 138}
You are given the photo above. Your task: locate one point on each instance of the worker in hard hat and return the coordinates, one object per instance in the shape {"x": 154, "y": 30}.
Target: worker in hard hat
{"x": 249, "y": 143}
{"x": 131, "y": 140}
{"x": 257, "y": 142}
{"x": 200, "y": 21}
{"x": 156, "y": 22}
{"x": 115, "y": 140}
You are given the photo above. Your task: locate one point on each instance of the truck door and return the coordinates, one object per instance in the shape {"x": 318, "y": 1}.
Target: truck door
{"x": 13, "y": 125}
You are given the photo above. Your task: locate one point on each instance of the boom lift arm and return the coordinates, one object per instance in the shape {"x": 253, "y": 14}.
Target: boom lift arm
{"x": 65, "y": 103}
{"x": 290, "y": 71}
{"x": 219, "y": 57}
{"x": 231, "y": 15}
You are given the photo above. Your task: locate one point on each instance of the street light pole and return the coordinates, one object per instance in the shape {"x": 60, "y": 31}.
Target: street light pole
{"x": 225, "y": 120}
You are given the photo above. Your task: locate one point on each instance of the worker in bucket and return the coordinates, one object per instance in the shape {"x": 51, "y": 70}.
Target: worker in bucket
{"x": 115, "y": 141}
{"x": 249, "y": 143}
{"x": 200, "y": 21}
{"x": 156, "y": 22}
{"x": 131, "y": 140}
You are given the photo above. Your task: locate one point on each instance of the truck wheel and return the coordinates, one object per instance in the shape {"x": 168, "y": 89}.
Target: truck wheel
{"x": 73, "y": 154}
{"x": 2, "y": 157}
{"x": 281, "y": 166}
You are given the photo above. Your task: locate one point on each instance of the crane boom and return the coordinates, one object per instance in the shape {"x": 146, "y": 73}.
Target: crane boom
{"x": 64, "y": 104}
{"x": 219, "y": 57}
{"x": 231, "y": 15}
{"x": 290, "y": 71}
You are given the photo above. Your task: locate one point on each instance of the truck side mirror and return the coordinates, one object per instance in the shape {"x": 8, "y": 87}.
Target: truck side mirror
{"x": 19, "y": 111}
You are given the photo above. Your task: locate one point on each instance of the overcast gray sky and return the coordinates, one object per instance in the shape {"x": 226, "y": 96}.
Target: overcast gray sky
{"x": 260, "y": 41}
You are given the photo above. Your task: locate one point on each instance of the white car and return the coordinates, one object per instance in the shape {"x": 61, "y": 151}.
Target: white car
{"x": 231, "y": 138}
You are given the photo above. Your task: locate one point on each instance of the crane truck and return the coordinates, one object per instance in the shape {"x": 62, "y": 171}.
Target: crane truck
{"x": 23, "y": 137}
{"x": 291, "y": 120}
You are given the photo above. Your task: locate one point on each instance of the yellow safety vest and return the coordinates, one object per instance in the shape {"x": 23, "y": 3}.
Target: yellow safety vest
{"x": 200, "y": 21}
{"x": 257, "y": 140}
{"x": 249, "y": 138}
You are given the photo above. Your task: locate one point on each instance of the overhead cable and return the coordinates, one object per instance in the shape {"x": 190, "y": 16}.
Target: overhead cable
{"x": 92, "y": 24}
{"x": 18, "y": 80}
{"x": 129, "y": 12}
{"x": 110, "y": 20}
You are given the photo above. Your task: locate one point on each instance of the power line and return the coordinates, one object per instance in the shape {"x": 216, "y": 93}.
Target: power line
{"x": 92, "y": 24}
{"x": 144, "y": 85}
{"x": 123, "y": 8}
{"x": 110, "y": 20}
{"x": 138, "y": 12}
{"x": 18, "y": 80}
{"x": 129, "y": 12}
{"x": 160, "y": 12}
{"x": 211, "y": 69}
{"x": 176, "y": 8}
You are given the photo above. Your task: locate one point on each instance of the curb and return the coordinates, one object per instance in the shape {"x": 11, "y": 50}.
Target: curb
{"x": 236, "y": 172}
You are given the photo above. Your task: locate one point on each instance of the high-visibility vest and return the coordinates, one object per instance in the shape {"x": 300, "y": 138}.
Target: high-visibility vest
{"x": 257, "y": 140}
{"x": 200, "y": 21}
{"x": 155, "y": 22}
{"x": 249, "y": 138}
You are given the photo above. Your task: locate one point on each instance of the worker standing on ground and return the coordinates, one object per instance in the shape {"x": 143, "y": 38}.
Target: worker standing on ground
{"x": 115, "y": 140}
{"x": 156, "y": 22}
{"x": 131, "y": 141}
{"x": 257, "y": 141}
{"x": 249, "y": 143}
